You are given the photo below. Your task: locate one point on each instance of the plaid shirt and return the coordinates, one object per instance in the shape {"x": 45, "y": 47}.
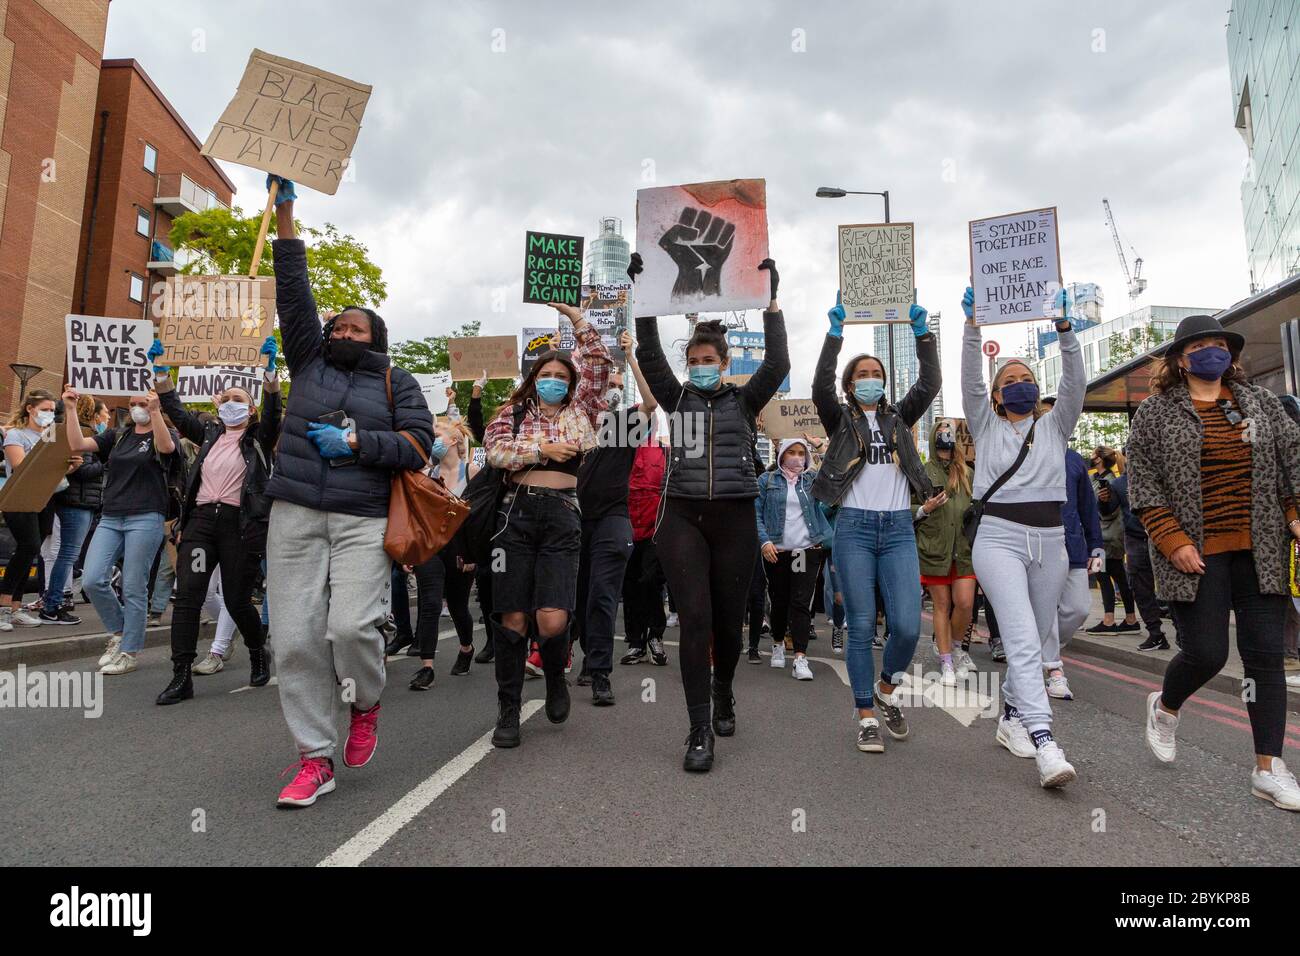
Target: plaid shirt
{"x": 575, "y": 423}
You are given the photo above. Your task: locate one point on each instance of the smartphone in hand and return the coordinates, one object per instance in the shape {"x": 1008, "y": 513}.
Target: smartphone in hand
{"x": 338, "y": 419}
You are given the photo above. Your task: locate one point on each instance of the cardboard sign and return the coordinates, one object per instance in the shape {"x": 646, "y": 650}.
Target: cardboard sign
{"x": 434, "y": 385}
{"x": 215, "y": 320}
{"x": 791, "y": 418}
{"x": 605, "y": 307}
{"x": 499, "y": 354}
{"x": 1015, "y": 264}
{"x": 32, "y": 484}
{"x": 109, "y": 356}
{"x": 964, "y": 443}
{"x": 552, "y": 268}
{"x": 197, "y": 386}
{"x": 291, "y": 119}
{"x": 536, "y": 341}
{"x": 877, "y": 271}
{"x": 701, "y": 245}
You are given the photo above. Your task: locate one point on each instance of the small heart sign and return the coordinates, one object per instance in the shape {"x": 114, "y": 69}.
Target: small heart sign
{"x": 457, "y": 355}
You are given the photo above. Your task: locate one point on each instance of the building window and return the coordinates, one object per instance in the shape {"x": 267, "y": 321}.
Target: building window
{"x": 150, "y": 158}
{"x": 142, "y": 222}
{"x": 137, "y": 288}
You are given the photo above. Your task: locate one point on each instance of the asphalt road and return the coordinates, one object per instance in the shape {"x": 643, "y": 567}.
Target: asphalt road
{"x": 195, "y": 784}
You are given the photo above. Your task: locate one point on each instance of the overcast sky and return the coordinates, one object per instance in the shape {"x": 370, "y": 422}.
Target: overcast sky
{"x": 961, "y": 110}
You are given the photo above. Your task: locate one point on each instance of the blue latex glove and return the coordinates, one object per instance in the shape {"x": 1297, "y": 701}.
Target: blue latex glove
{"x": 270, "y": 348}
{"x": 968, "y": 303}
{"x": 155, "y": 352}
{"x": 836, "y": 315}
{"x": 1061, "y": 302}
{"x": 919, "y": 318}
{"x": 330, "y": 440}
{"x": 286, "y": 193}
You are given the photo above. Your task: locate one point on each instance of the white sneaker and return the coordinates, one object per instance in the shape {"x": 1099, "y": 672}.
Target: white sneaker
{"x": 949, "y": 676}
{"x": 962, "y": 661}
{"x": 230, "y": 652}
{"x": 6, "y": 618}
{"x": 1160, "y": 730}
{"x": 801, "y": 669}
{"x": 23, "y": 619}
{"x": 778, "y": 654}
{"x": 672, "y": 621}
{"x": 1012, "y": 735}
{"x": 110, "y": 650}
{"x": 1059, "y": 687}
{"x": 1053, "y": 769}
{"x": 1276, "y": 784}
{"x": 122, "y": 663}
{"x": 211, "y": 664}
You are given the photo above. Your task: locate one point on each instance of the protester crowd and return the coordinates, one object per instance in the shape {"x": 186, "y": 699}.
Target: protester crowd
{"x": 585, "y": 503}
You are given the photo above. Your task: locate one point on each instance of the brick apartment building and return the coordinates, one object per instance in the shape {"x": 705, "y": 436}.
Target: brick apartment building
{"x": 145, "y": 170}
{"x": 50, "y": 52}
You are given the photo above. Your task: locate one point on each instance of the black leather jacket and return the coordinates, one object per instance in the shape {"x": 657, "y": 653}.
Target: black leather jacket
{"x": 846, "y": 423}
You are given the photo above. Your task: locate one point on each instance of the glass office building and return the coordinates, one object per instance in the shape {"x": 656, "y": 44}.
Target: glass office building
{"x": 1264, "y": 66}
{"x": 608, "y": 254}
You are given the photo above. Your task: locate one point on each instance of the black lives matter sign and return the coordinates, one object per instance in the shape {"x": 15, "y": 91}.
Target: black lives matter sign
{"x": 552, "y": 268}
{"x": 109, "y": 356}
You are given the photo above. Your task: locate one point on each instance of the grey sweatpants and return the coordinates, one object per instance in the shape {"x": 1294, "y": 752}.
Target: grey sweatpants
{"x": 1072, "y": 611}
{"x": 1022, "y": 571}
{"x": 328, "y": 578}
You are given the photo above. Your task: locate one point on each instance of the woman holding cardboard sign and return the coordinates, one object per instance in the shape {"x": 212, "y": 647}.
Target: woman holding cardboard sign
{"x": 22, "y": 432}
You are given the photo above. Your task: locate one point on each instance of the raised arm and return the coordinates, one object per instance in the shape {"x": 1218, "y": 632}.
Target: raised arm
{"x": 300, "y": 325}
{"x": 648, "y": 403}
{"x": 974, "y": 396}
{"x": 760, "y": 388}
{"x": 1074, "y": 384}
{"x": 930, "y": 380}
{"x": 268, "y": 425}
{"x": 824, "y": 397}
{"x": 76, "y": 440}
{"x": 591, "y": 357}
{"x": 659, "y": 377}
{"x": 186, "y": 423}
{"x": 163, "y": 441}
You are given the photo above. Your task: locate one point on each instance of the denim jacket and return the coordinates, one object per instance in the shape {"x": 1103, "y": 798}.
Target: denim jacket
{"x": 769, "y": 507}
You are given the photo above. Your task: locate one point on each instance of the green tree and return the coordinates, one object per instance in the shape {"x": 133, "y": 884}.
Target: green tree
{"x": 1112, "y": 428}
{"x": 430, "y": 355}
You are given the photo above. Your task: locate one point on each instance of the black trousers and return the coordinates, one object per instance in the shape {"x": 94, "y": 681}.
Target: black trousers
{"x": 707, "y": 550}
{"x": 210, "y": 539}
{"x": 756, "y": 607}
{"x": 606, "y": 549}
{"x": 29, "y": 530}
{"x": 436, "y": 579}
{"x": 791, "y": 581}
{"x": 643, "y": 595}
{"x": 1230, "y": 584}
{"x": 1114, "y": 571}
{"x": 1142, "y": 579}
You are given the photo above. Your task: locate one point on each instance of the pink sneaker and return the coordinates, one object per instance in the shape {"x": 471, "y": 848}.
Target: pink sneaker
{"x": 315, "y": 776}
{"x": 361, "y": 737}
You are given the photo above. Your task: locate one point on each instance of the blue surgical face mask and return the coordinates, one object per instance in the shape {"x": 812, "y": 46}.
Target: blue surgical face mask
{"x": 439, "y": 449}
{"x": 705, "y": 376}
{"x": 1019, "y": 397}
{"x": 99, "y": 428}
{"x": 869, "y": 391}
{"x": 1209, "y": 363}
{"x": 552, "y": 390}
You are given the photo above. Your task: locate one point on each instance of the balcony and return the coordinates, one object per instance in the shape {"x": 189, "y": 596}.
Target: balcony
{"x": 178, "y": 194}
{"x": 166, "y": 262}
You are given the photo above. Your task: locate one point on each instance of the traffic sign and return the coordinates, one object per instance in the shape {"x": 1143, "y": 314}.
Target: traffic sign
{"x": 990, "y": 348}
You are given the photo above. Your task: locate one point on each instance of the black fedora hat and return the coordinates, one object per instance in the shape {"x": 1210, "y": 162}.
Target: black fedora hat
{"x": 1195, "y": 327}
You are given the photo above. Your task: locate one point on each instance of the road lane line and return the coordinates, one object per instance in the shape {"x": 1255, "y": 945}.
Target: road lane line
{"x": 387, "y": 825}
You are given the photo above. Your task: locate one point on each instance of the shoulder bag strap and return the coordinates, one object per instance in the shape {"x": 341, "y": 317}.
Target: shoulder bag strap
{"x": 1015, "y": 465}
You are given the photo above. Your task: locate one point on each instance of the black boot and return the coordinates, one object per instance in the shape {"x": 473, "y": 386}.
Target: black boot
{"x": 699, "y": 750}
{"x": 486, "y": 655}
{"x": 397, "y": 643}
{"x": 181, "y": 688}
{"x": 602, "y": 695}
{"x": 724, "y": 712}
{"x": 555, "y": 654}
{"x": 461, "y": 667}
{"x": 261, "y": 666}
{"x": 512, "y": 649}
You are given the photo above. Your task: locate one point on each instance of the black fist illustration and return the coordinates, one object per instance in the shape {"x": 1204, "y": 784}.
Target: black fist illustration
{"x": 699, "y": 243}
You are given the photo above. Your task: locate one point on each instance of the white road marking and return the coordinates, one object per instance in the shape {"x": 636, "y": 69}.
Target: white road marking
{"x": 387, "y": 825}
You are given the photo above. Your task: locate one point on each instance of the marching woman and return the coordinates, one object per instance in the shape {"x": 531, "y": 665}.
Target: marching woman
{"x": 869, "y": 473}
{"x": 223, "y": 517}
{"x": 1019, "y": 553}
{"x": 643, "y": 582}
{"x": 944, "y": 552}
{"x": 707, "y": 541}
{"x": 539, "y": 437}
{"x": 1213, "y": 469}
{"x": 75, "y": 507}
{"x": 793, "y": 532}
{"x": 328, "y": 575}
{"x": 22, "y": 432}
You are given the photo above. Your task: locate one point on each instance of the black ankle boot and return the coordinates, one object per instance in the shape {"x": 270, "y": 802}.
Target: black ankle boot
{"x": 699, "y": 750}
{"x": 181, "y": 688}
{"x": 555, "y": 654}
{"x": 486, "y": 655}
{"x": 724, "y": 711}
{"x": 506, "y": 734}
{"x": 511, "y": 651}
{"x": 260, "y": 663}
{"x": 397, "y": 643}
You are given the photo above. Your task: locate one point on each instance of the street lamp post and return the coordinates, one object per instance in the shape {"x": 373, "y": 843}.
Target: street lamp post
{"x": 834, "y": 192}
{"x": 25, "y": 374}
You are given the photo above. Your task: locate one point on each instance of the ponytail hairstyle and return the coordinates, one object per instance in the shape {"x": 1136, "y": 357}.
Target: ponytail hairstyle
{"x": 22, "y": 417}
{"x": 712, "y": 333}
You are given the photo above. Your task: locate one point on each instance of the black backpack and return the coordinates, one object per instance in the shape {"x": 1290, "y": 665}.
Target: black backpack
{"x": 483, "y": 492}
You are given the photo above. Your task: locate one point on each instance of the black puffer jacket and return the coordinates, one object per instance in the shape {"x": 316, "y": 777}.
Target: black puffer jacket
{"x": 257, "y": 445}
{"x": 85, "y": 485}
{"x": 300, "y": 474}
{"x": 712, "y": 432}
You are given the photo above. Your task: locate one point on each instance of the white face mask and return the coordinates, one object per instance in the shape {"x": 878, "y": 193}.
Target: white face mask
{"x": 233, "y": 414}
{"x": 139, "y": 415}
{"x": 43, "y": 419}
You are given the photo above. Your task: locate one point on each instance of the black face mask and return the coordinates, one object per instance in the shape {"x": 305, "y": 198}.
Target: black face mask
{"x": 345, "y": 353}
{"x": 944, "y": 442}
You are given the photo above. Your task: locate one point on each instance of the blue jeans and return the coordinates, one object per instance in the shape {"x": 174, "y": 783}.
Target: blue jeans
{"x": 877, "y": 549}
{"x": 134, "y": 539}
{"x": 73, "y": 525}
{"x": 831, "y": 582}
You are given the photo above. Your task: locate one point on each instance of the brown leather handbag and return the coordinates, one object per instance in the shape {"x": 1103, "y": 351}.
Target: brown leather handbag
{"x": 423, "y": 514}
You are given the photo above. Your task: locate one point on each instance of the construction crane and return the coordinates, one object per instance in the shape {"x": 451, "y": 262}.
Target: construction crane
{"x": 1136, "y": 284}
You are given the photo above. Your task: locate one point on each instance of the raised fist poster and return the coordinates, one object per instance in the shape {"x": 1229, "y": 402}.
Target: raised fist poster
{"x": 552, "y": 268}
{"x": 1015, "y": 265}
{"x": 701, "y": 245}
{"x": 877, "y": 271}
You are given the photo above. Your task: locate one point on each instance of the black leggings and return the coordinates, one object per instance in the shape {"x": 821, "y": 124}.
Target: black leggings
{"x": 436, "y": 579}
{"x": 707, "y": 550}
{"x": 791, "y": 581}
{"x": 212, "y": 539}
{"x": 1114, "y": 571}
{"x": 29, "y": 530}
{"x": 1230, "y": 584}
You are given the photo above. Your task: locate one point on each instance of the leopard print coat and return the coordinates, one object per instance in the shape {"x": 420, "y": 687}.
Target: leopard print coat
{"x": 1164, "y": 468}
